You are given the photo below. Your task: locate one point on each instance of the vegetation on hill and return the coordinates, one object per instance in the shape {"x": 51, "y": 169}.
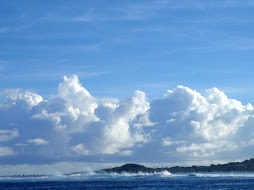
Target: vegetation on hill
{"x": 247, "y": 165}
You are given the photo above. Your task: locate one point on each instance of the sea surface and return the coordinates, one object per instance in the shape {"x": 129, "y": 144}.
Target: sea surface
{"x": 163, "y": 180}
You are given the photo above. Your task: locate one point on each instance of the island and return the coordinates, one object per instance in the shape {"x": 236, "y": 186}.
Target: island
{"x": 245, "y": 166}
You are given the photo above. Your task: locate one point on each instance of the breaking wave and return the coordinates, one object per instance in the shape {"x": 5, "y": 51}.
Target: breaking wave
{"x": 116, "y": 176}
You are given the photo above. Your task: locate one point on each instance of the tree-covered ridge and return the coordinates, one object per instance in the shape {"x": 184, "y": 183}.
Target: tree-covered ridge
{"x": 247, "y": 165}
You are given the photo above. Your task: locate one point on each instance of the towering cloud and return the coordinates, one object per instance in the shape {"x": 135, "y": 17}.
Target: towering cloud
{"x": 183, "y": 125}
{"x": 199, "y": 125}
{"x": 115, "y": 132}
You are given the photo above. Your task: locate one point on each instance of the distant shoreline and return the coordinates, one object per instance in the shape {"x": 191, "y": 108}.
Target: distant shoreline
{"x": 245, "y": 166}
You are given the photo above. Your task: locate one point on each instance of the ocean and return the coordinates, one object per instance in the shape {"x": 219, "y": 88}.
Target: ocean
{"x": 141, "y": 181}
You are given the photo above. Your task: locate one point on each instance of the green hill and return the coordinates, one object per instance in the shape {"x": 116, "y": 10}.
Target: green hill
{"x": 247, "y": 165}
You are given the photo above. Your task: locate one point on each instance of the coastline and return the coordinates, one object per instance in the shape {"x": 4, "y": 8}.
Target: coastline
{"x": 245, "y": 166}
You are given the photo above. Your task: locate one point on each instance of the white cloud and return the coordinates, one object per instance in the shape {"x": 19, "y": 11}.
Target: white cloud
{"x": 6, "y": 151}
{"x": 26, "y": 98}
{"x": 72, "y": 110}
{"x": 144, "y": 121}
{"x": 115, "y": 131}
{"x": 168, "y": 142}
{"x": 37, "y": 141}
{"x": 80, "y": 149}
{"x": 199, "y": 125}
{"x": 6, "y": 135}
{"x": 126, "y": 153}
{"x": 75, "y": 125}
{"x": 102, "y": 126}
{"x": 212, "y": 117}
{"x": 208, "y": 149}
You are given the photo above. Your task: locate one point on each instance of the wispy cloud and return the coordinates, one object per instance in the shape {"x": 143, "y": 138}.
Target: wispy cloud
{"x": 140, "y": 10}
{"x": 51, "y": 75}
{"x": 231, "y": 90}
{"x": 16, "y": 50}
{"x": 211, "y": 41}
{"x": 62, "y": 60}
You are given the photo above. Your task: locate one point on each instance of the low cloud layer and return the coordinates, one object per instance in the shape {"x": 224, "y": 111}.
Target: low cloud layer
{"x": 182, "y": 126}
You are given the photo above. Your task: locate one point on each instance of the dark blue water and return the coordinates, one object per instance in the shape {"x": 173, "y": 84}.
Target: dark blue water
{"x": 120, "y": 182}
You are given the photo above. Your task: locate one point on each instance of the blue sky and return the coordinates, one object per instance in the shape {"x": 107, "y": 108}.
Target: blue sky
{"x": 116, "y": 47}
{"x": 201, "y": 51}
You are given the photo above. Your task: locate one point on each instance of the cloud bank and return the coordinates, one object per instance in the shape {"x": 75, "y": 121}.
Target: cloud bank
{"x": 182, "y": 126}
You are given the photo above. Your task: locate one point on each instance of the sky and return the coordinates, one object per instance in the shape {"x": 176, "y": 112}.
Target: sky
{"x": 109, "y": 82}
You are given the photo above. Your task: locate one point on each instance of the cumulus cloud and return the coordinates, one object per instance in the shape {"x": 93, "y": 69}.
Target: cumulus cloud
{"x": 28, "y": 99}
{"x": 144, "y": 121}
{"x": 77, "y": 96}
{"x": 115, "y": 131}
{"x": 75, "y": 122}
{"x": 183, "y": 125}
{"x": 72, "y": 110}
{"x": 37, "y": 141}
{"x": 205, "y": 125}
